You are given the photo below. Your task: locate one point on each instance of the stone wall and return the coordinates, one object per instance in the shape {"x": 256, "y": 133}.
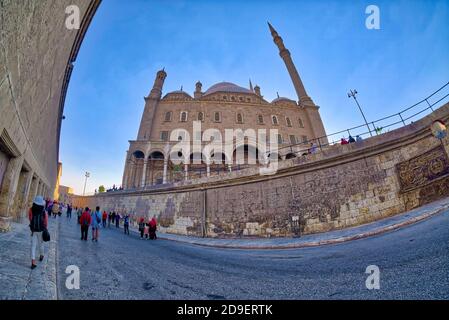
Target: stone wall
{"x": 339, "y": 187}
{"x": 37, "y": 52}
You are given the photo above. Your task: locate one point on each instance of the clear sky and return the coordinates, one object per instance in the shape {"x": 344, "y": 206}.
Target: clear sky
{"x": 213, "y": 41}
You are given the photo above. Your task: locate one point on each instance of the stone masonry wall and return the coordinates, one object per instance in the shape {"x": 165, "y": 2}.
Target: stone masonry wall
{"x": 337, "y": 188}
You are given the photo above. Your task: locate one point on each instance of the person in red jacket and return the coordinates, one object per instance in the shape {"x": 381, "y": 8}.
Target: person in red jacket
{"x": 104, "y": 218}
{"x": 38, "y": 222}
{"x": 85, "y": 223}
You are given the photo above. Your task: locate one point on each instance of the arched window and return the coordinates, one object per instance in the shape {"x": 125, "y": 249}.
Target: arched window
{"x": 301, "y": 124}
{"x": 168, "y": 116}
{"x": 274, "y": 119}
{"x": 200, "y": 116}
{"x": 260, "y": 119}
{"x": 239, "y": 118}
{"x": 289, "y": 122}
{"x": 217, "y": 117}
{"x": 183, "y": 116}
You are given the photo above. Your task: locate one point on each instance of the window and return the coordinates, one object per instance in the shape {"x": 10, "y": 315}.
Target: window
{"x": 279, "y": 138}
{"x": 200, "y": 116}
{"x": 274, "y": 119}
{"x": 260, "y": 119}
{"x": 239, "y": 118}
{"x": 232, "y": 98}
{"x": 183, "y": 116}
{"x": 225, "y": 98}
{"x": 304, "y": 139}
{"x": 301, "y": 125}
{"x": 164, "y": 135}
{"x": 168, "y": 116}
{"x": 289, "y": 122}
{"x": 292, "y": 139}
{"x": 248, "y": 99}
{"x": 217, "y": 117}
{"x": 241, "y": 99}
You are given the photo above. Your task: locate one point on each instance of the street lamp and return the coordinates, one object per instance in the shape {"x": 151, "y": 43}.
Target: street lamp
{"x": 87, "y": 175}
{"x": 352, "y": 93}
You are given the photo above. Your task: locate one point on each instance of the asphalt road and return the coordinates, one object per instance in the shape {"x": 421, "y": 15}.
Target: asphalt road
{"x": 413, "y": 264}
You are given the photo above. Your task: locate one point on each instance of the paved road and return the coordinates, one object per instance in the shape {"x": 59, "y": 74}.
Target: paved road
{"x": 413, "y": 261}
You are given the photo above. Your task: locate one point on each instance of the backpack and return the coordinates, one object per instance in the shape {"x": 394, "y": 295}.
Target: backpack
{"x": 37, "y": 222}
{"x": 97, "y": 217}
{"x": 85, "y": 223}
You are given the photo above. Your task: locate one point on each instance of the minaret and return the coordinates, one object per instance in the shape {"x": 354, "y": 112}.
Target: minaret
{"x": 151, "y": 103}
{"x": 303, "y": 98}
{"x": 311, "y": 110}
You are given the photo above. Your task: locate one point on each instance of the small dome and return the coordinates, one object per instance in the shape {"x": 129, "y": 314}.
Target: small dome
{"x": 177, "y": 93}
{"x": 282, "y": 99}
{"x": 227, "y": 87}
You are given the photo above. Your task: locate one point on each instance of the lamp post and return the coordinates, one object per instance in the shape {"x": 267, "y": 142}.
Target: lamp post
{"x": 352, "y": 93}
{"x": 87, "y": 175}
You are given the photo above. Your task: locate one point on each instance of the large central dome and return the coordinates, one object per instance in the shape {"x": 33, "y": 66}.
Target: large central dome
{"x": 226, "y": 87}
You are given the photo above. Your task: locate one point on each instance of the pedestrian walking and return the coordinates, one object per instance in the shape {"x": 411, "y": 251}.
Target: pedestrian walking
{"x": 55, "y": 209}
{"x": 109, "y": 219}
{"x": 95, "y": 223}
{"x": 69, "y": 212}
{"x": 126, "y": 224}
{"x": 142, "y": 227}
{"x": 117, "y": 220}
{"x": 85, "y": 221}
{"x": 78, "y": 214}
{"x": 104, "y": 217}
{"x": 153, "y": 228}
{"x": 38, "y": 223}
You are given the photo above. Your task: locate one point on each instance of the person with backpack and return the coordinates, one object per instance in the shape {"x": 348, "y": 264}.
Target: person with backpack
{"x": 55, "y": 209}
{"x": 85, "y": 221}
{"x": 117, "y": 220}
{"x": 38, "y": 223}
{"x": 95, "y": 223}
{"x": 109, "y": 219}
{"x": 126, "y": 224}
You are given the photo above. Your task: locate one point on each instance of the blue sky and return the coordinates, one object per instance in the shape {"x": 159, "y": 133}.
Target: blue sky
{"x": 215, "y": 41}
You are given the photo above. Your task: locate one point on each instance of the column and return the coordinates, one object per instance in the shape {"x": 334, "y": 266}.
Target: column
{"x": 8, "y": 191}
{"x": 144, "y": 173}
{"x": 208, "y": 169}
{"x": 23, "y": 200}
{"x": 33, "y": 191}
{"x": 164, "y": 177}
{"x": 186, "y": 172}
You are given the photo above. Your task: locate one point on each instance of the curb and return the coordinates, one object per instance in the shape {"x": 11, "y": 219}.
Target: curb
{"x": 318, "y": 243}
{"x": 52, "y": 263}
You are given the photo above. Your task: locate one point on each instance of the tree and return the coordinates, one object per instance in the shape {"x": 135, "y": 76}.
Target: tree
{"x": 101, "y": 189}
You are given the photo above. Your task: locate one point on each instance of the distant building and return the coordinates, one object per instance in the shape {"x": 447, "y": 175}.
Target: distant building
{"x": 65, "y": 194}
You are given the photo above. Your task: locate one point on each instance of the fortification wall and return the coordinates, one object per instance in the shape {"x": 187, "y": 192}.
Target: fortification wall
{"x": 340, "y": 187}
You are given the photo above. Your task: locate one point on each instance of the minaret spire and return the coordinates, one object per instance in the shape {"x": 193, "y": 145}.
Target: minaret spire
{"x": 251, "y": 86}
{"x": 303, "y": 98}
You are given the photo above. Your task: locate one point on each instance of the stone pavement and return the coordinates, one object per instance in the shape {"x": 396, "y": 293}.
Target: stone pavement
{"x": 18, "y": 281}
{"x": 332, "y": 237}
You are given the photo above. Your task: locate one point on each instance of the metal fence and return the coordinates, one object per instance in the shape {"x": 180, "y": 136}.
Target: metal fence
{"x": 379, "y": 126}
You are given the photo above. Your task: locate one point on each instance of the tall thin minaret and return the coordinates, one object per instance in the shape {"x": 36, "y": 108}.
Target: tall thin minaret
{"x": 151, "y": 103}
{"x": 311, "y": 110}
{"x": 303, "y": 98}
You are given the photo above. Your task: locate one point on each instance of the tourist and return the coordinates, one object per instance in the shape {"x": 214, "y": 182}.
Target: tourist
{"x": 141, "y": 227}
{"x": 153, "y": 228}
{"x": 109, "y": 219}
{"x": 95, "y": 223}
{"x": 313, "y": 148}
{"x": 55, "y": 209}
{"x": 85, "y": 221}
{"x": 146, "y": 230}
{"x": 117, "y": 220}
{"x": 358, "y": 138}
{"x": 126, "y": 224}
{"x": 351, "y": 139}
{"x": 38, "y": 223}
{"x": 79, "y": 213}
{"x": 69, "y": 211}
{"x": 344, "y": 141}
{"x": 104, "y": 217}
{"x": 113, "y": 216}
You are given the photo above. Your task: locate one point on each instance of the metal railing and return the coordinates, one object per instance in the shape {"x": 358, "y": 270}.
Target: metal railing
{"x": 379, "y": 126}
